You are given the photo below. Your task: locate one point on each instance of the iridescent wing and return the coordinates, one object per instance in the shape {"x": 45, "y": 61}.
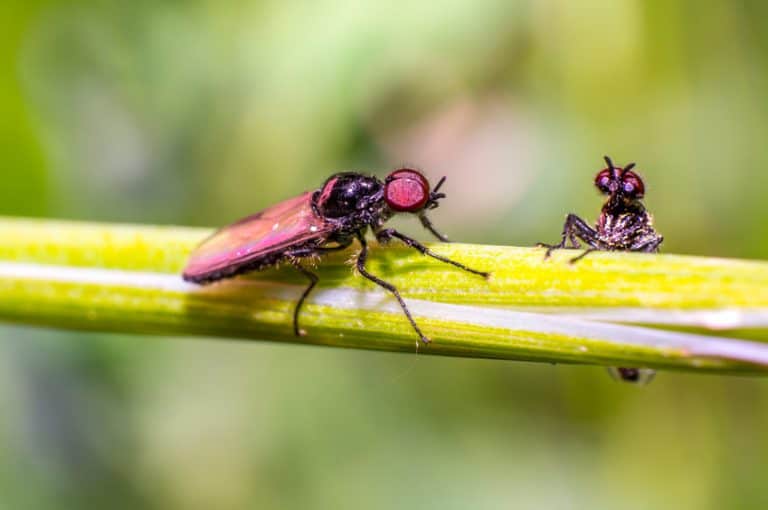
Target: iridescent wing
{"x": 257, "y": 241}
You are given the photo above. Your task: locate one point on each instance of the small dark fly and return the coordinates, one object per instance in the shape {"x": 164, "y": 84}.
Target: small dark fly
{"x": 624, "y": 225}
{"x": 321, "y": 221}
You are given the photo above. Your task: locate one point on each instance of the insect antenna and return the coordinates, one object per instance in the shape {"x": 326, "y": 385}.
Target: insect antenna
{"x": 434, "y": 196}
{"x": 628, "y": 168}
{"x": 611, "y": 167}
{"x": 439, "y": 184}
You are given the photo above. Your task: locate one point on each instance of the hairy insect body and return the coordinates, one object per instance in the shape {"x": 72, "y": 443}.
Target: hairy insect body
{"x": 627, "y": 231}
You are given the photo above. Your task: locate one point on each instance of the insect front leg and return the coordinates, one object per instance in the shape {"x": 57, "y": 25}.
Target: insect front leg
{"x": 385, "y": 235}
{"x": 574, "y": 229}
{"x": 427, "y": 223}
{"x": 361, "y": 259}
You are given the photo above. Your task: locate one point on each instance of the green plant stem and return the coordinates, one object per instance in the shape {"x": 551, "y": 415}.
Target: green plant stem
{"x": 125, "y": 278}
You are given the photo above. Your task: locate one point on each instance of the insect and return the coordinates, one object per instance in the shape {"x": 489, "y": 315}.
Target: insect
{"x": 632, "y": 375}
{"x": 321, "y": 221}
{"x": 624, "y": 225}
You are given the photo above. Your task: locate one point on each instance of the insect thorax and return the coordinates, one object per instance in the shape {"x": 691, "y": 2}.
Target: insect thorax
{"x": 625, "y": 230}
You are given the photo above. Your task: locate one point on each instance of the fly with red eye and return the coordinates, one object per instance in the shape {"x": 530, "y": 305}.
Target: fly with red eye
{"x": 624, "y": 225}
{"x": 313, "y": 223}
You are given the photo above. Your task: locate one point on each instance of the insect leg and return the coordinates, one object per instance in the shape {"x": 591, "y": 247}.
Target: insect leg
{"x": 313, "y": 279}
{"x": 427, "y": 223}
{"x": 579, "y": 257}
{"x": 574, "y": 229}
{"x": 654, "y": 246}
{"x": 293, "y": 257}
{"x": 315, "y": 250}
{"x": 648, "y": 244}
{"x": 361, "y": 258}
{"x": 385, "y": 235}
{"x": 577, "y": 229}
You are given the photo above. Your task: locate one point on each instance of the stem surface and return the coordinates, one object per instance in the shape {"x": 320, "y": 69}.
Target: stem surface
{"x": 125, "y": 278}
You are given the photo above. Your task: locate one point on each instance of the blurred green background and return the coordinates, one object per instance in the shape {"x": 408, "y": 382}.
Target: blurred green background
{"x": 199, "y": 112}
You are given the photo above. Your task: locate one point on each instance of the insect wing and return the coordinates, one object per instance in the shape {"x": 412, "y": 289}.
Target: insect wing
{"x": 261, "y": 236}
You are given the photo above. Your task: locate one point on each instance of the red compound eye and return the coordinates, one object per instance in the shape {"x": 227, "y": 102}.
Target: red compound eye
{"x": 603, "y": 180}
{"x": 632, "y": 185}
{"x": 406, "y": 190}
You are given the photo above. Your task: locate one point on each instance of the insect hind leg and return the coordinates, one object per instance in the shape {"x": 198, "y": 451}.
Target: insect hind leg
{"x": 293, "y": 257}
{"x": 313, "y": 279}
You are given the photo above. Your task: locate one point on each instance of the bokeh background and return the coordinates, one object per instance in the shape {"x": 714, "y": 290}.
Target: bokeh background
{"x": 198, "y": 112}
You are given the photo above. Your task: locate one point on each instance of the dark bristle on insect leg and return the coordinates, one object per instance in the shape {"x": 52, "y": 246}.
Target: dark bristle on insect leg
{"x": 316, "y": 222}
{"x": 623, "y": 225}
